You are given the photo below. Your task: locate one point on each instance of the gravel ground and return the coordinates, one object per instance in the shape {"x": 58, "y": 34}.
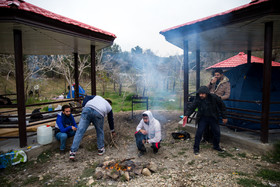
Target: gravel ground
{"x": 177, "y": 165}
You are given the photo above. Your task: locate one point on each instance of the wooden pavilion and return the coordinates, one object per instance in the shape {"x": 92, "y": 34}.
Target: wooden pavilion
{"x": 31, "y": 30}
{"x": 252, "y": 27}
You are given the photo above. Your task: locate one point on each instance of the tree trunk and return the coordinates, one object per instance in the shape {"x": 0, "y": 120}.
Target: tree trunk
{"x": 103, "y": 87}
{"x": 174, "y": 84}
{"x": 120, "y": 89}
{"x": 180, "y": 101}
{"x": 144, "y": 90}
{"x": 114, "y": 86}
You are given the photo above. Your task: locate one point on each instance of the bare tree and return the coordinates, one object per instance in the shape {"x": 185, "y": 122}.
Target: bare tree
{"x": 64, "y": 65}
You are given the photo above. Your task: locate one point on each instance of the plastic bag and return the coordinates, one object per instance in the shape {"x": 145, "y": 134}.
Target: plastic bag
{"x": 12, "y": 158}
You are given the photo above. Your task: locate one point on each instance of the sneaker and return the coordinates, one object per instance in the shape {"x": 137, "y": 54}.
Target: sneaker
{"x": 219, "y": 150}
{"x": 101, "y": 151}
{"x": 196, "y": 152}
{"x": 72, "y": 155}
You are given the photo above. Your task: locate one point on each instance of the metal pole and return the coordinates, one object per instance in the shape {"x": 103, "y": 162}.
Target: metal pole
{"x": 249, "y": 54}
{"x": 20, "y": 87}
{"x": 76, "y": 75}
{"x": 186, "y": 75}
{"x": 197, "y": 69}
{"x": 93, "y": 73}
{"x": 266, "y": 80}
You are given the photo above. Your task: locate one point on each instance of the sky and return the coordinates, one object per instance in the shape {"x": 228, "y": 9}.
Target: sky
{"x": 138, "y": 23}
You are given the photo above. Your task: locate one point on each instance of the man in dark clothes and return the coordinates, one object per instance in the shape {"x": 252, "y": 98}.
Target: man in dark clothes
{"x": 209, "y": 107}
{"x": 65, "y": 126}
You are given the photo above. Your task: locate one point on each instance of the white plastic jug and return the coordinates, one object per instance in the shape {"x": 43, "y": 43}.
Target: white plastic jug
{"x": 44, "y": 134}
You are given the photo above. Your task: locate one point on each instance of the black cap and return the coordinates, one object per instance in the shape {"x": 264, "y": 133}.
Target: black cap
{"x": 203, "y": 89}
{"x": 218, "y": 71}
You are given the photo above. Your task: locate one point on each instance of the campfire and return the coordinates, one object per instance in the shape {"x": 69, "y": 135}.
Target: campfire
{"x": 124, "y": 166}
{"x": 123, "y": 170}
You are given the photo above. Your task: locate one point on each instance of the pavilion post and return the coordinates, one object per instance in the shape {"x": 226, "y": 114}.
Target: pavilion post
{"x": 197, "y": 66}
{"x": 20, "y": 87}
{"x": 76, "y": 75}
{"x": 186, "y": 75}
{"x": 249, "y": 55}
{"x": 266, "y": 81}
{"x": 93, "y": 72}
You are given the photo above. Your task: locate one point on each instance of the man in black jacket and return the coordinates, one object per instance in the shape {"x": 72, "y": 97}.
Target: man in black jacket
{"x": 209, "y": 107}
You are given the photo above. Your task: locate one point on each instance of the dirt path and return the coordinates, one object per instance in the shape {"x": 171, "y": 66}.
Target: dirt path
{"x": 177, "y": 165}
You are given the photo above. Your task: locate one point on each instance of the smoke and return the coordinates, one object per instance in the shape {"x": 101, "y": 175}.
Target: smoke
{"x": 157, "y": 78}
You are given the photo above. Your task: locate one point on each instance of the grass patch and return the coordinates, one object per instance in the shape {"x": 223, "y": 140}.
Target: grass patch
{"x": 205, "y": 146}
{"x": 165, "y": 144}
{"x": 91, "y": 147}
{"x": 161, "y": 169}
{"x": 59, "y": 182}
{"x": 31, "y": 180}
{"x": 240, "y": 173}
{"x": 19, "y": 167}
{"x": 181, "y": 153}
{"x": 89, "y": 171}
{"x": 268, "y": 174}
{"x": 250, "y": 183}
{"x": 174, "y": 156}
{"x": 5, "y": 182}
{"x": 225, "y": 154}
{"x": 45, "y": 156}
{"x": 46, "y": 178}
{"x": 243, "y": 155}
{"x": 273, "y": 156}
{"x": 165, "y": 177}
{"x": 191, "y": 162}
{"x": 122, "y": 178}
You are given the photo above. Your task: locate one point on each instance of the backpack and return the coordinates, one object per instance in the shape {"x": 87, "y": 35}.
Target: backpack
{"x": 36, "y": 114}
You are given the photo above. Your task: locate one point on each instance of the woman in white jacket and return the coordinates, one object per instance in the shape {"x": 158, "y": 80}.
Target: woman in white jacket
{"x": 148, "y": 131}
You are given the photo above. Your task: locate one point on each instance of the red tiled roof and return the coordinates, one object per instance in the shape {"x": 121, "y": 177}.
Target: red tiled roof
{"x": 239, "y": 59}
{"x": 21, "y": 5}
{"x": 215, "y": 15}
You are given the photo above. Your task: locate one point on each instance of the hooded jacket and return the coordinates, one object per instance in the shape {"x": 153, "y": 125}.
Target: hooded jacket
{"x": 211, "y": 106}
{"x": 153, "y": 128}
{"x": 64, "y": 123}
{"x": 223, "y": 88}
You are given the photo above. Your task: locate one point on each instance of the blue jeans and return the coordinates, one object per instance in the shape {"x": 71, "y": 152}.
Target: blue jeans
{"x": 215, "y": 128}
{"x": 88, "y": 116}
{"x": 61, "y": 136}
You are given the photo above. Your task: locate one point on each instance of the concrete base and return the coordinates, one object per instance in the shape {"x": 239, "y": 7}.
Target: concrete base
{"x": 34, "y": 149}
{"x": 242, "y": 140}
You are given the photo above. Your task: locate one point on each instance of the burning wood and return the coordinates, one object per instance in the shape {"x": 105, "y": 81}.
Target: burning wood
{"x": 126, "y": 169}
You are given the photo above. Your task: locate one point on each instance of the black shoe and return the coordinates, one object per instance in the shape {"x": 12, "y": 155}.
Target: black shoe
{"x": 141, "y": 153}
{"x": 155, "y": 151}
{"x": 196, "y": 152}
{"x": 219, "y": 150}
{"x": 62, "y": 152}
{"x": 203, "y": 141}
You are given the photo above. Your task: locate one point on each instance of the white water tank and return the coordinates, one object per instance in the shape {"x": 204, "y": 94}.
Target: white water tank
{"x": 44, "y": 134}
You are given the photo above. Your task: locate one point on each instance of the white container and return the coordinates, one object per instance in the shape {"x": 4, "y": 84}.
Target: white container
{"x": 44, "y": 134}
